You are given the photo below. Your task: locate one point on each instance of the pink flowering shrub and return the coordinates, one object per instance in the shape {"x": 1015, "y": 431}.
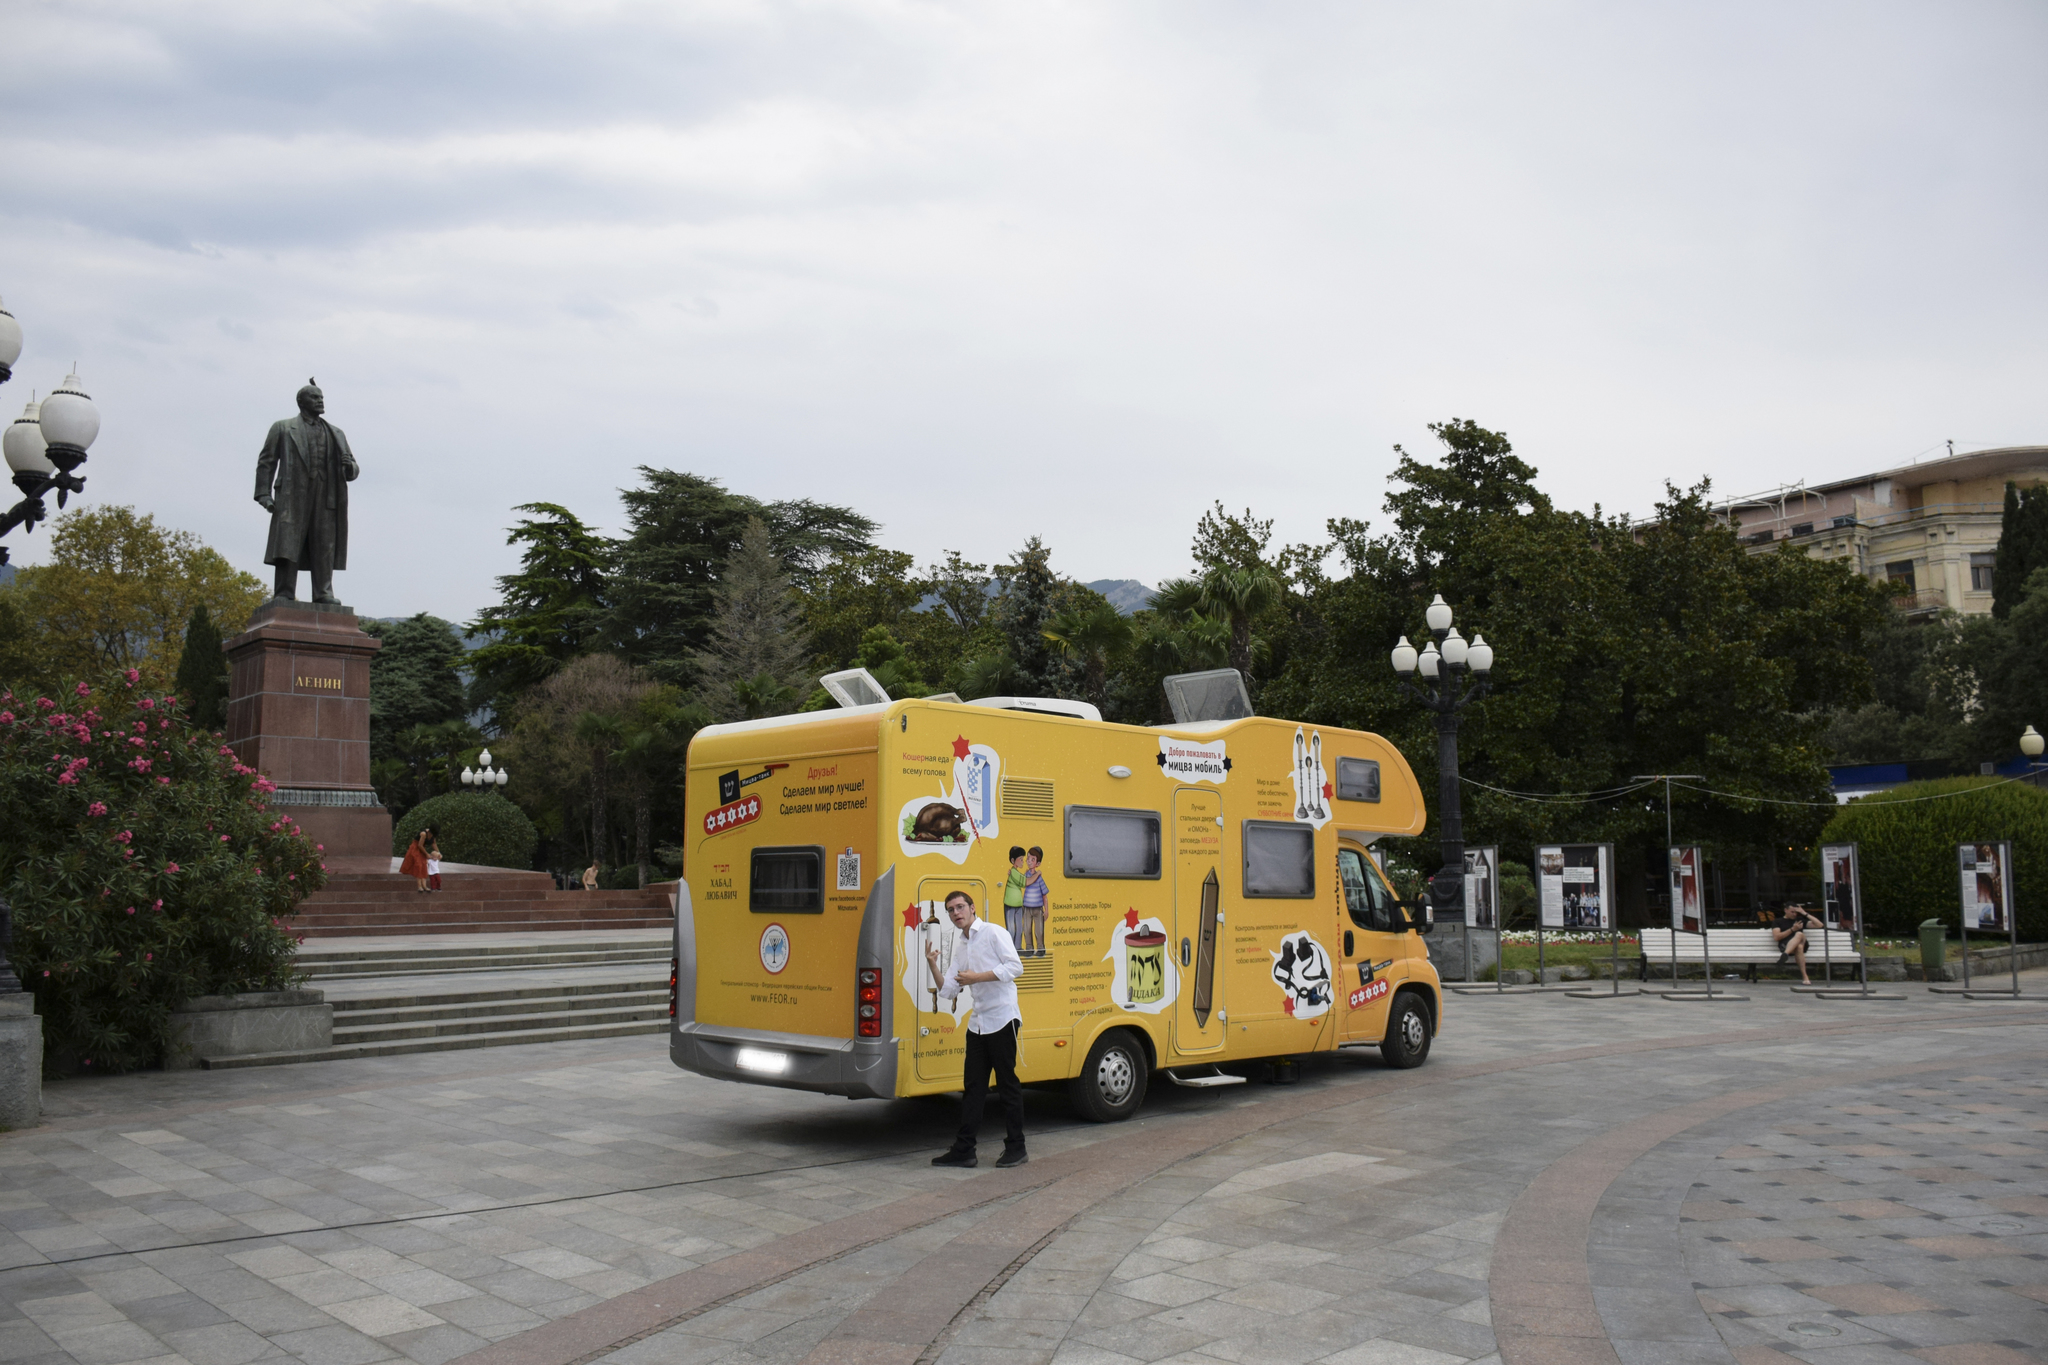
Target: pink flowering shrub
{"x": 145, "y": 866}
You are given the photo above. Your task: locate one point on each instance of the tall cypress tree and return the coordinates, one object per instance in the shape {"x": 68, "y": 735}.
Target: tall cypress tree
{"x": 203, "y": 672}
{"x": 2022, "y": 546}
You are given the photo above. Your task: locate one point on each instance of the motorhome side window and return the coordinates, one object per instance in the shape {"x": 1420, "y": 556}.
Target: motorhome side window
{"x": 1366, "y": 898}
{"x": 1358, "y": 779}
{"x": 787, "y": 881}
{"x": 1279, "y": 859}
{"x": 1105, "y": 841}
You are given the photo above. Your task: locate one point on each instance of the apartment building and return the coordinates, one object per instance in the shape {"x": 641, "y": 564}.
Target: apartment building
{"x": 1930, "y": 527}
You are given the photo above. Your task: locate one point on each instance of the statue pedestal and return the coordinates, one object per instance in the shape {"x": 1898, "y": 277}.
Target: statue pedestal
{"x": 299, "y": 713}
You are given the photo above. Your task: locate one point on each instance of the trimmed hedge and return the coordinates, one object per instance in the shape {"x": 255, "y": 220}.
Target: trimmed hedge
{"x": 1908, "y": 846}
{"x": 474, "y": 827}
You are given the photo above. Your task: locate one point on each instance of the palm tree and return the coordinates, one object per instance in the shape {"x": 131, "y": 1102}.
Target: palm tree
{"x": 1098, "y": 636}
{"x": 1238, "y": 595}
{"x": 993, "y": 675}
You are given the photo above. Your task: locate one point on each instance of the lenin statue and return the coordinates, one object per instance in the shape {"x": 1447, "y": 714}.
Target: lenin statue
{"x": 302, "y": 480}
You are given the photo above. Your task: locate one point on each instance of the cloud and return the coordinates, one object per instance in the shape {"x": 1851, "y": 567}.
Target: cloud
{"x": 991, "y": 271}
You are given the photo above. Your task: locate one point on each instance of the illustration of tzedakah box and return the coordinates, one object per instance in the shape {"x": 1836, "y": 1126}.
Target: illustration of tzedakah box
{"x": 1145, "y": 966}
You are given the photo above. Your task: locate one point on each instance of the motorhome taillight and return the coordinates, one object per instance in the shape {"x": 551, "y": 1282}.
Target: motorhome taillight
{"x": 674, "y": 966}
{"x": 867, "y": 996}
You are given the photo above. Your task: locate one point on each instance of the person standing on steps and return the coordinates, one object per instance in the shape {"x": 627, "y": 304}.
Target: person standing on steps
{"x": 988, "y": 965}
{"x": 433, "y": 859}
{"x": 414, "y": 864}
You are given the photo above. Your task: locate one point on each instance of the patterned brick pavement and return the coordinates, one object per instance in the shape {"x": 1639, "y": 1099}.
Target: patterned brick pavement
{"x": 586, "y": 1201}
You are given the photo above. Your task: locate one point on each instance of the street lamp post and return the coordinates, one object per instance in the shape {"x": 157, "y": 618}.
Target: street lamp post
{"x": 47, "y": 443}
{"x": 483, "y": 775}
{"x": 1440, "y": 663}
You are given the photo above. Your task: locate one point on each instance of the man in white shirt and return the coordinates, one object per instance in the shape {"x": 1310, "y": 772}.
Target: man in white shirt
{"x": 987, "y": 964}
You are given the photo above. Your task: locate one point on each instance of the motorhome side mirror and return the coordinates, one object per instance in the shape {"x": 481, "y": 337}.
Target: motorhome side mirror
{"x": 1419, "y": 915}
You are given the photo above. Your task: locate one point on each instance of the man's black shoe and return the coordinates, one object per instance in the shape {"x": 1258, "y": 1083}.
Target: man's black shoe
{"x": 956, "y": 1159}
{"x": 1012, "y": 1156}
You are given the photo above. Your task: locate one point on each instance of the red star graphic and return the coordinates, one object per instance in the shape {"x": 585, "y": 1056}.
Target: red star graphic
{"x": 1131, "y": 918}
{"x": 911, "y": 919}
{"x": 1329, "y": 792}
{"x": 960, "y": 746}
{"x": 1288, "y": 1005}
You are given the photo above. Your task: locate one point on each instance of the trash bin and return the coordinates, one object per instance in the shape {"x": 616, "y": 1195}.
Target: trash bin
{"x": 1933, "y": 943}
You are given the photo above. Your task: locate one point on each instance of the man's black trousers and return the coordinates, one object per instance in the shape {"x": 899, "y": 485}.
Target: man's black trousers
{"x": 986, "y": 1051}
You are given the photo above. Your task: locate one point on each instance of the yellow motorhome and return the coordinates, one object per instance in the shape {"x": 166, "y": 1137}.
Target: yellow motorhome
{"x": 1183, "y": 896}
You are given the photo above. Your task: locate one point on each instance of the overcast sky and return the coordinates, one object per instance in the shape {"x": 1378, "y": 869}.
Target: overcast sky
{"x": 988, "y": 271}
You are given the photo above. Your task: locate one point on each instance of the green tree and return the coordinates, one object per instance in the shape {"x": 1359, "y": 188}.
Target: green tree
{"x": 415, "y": 681}
{"x": 2012, "y": 672}
{"x": 1925, "y": 680}
{"x": 890, "y": 664}
{"x": 1621, "y": 649}
{"x": 755, "y": 636}
{"x": 855, "y": 595}
{"x": 431, "y": 755}
{"x": 551, "y": 764}
{"x": 1097, "y": 636}
{"x": 548, "y": 613}
{"x": 654, "y": 740}
{"x": 683, "y": 529}
{"x": 2022, "y": 546}
{"x": 202, "y": 679}
{"x": 962, "y": 590}
{"x": 601, "y": 734}
{"x": 1234, "y": 596}
{"x": 1441, "y": 508}
{"x": 118, "y": 592}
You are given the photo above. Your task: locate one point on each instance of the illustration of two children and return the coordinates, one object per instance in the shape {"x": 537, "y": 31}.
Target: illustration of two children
{"x": 1024, "y": 902}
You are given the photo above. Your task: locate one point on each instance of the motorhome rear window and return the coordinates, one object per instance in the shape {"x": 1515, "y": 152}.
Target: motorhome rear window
{"x": 1358, "y": 779}
{"x": 787, "y": 881}
{"x": 1104, "y": 841}
{"x": 1279, "y": 859}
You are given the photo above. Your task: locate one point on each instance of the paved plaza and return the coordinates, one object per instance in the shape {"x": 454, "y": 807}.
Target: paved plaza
{"x": 1567, "y": 1180}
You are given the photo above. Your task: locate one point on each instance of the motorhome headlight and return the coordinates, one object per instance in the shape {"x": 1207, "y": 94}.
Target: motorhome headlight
{"x": 762, "y": 1060}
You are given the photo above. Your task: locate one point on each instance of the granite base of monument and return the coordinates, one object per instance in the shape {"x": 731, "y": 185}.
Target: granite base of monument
{"x": 299, "y": 713}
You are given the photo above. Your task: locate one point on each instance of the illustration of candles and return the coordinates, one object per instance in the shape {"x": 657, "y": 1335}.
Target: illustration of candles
{"x": 980, "y": 791}
{"x": 1315, "y": 775}
{"x": 1300, "y": 778}
{"x": 1145, "y": 966}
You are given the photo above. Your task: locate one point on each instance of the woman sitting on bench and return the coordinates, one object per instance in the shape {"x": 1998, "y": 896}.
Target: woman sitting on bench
{"x": 1790, "y": 935}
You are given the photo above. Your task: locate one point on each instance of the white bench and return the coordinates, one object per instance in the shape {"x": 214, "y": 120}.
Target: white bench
{"x": 1751, "y": 948}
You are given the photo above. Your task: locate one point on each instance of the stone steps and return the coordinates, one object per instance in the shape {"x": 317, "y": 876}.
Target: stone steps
{"x": 449, "y": 961}
{"x": 394, "y": 998}
{"x": 358, "y": 904}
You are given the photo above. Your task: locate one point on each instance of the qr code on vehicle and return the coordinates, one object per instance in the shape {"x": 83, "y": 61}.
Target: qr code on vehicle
{"x": 849, "y": 871}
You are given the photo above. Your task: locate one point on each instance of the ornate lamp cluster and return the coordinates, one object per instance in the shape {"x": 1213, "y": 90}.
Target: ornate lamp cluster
{"x": 47, "y": 443}
{"x": 1440, "y": 662}
{"x": 483, "y": 775}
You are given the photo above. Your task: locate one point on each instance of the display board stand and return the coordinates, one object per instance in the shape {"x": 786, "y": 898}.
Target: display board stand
{"x": 2009, "y": 909}
{"x": 1614, "y": 970}
{"x": 2012, "y": 935}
